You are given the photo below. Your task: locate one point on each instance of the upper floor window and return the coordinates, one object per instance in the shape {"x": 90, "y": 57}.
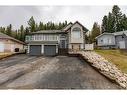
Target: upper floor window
{"x": 42, "y": 37}
{"x": 27, "y": 38}
{"x": 76, "y": 32}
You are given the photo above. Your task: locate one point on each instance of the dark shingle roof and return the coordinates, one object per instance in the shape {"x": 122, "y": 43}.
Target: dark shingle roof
{"x": 47, "y": 32}
{"x": 71, "y": 24}
{"x": 67, "y": 26}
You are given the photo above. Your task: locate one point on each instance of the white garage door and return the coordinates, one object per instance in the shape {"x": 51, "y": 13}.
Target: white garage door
{"x": 122, "y": 44}
{"x": 1, "y": 47}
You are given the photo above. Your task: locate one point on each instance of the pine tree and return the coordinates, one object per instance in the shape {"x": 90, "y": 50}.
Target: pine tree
{"x": 2, "y": 29}
{"x": 36, "y": 27}
{"x": 124, "y": 22}
{"x": 16, "y": 34}
{"x": 9, "y": 30}
{"x": 26, "y": 31}
{"x": 94, "y": 32}
{"x": 117, "y": 18}
{"x": 32, "y": 24}
{"x": 22, "y": 36}
{"x": 41, "y": 26}
{"x": 104, "y": 26}
{"x": 110, "y": 23}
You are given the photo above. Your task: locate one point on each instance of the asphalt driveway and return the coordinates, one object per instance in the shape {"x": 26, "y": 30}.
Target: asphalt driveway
{"x": 60, "y": 72}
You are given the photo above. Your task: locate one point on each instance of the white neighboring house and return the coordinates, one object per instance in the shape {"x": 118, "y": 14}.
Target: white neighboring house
{"x": 53, "y": 42}
{"x": 116, "y": 40}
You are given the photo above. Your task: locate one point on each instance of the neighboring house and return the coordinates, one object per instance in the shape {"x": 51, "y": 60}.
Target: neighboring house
{"x": 112, "y": 40}
{"x": 9, "y": 44}
{"x": 53, "y": 42}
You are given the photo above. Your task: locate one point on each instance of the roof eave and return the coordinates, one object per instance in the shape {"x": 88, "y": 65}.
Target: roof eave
{"x": 104, "y": 34}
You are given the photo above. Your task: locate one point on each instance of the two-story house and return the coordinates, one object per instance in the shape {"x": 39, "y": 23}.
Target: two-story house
{"x": 51, "y": 42}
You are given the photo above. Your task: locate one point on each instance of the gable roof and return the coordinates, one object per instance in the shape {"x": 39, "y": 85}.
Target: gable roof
{"x": 120, "y": 33}
{"x": 84, "y": 28}
{"x": 104, "y": 34}
{"x": 4, "y": 36}
{"x": 67, "y": 26}
{"x": 71, "y": 24}
{"x": 47, "y": 32}
{"x": 115, "y": 34}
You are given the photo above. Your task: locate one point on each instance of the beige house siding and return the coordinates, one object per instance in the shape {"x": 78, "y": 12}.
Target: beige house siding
{"x": 10, "y": 45}
{"x": 74, "y": 40}
{"x": 76, "y": 44}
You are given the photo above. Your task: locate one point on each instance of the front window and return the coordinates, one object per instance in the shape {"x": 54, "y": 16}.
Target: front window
{"x": 27, "y": 38}
{"x": 76, "y": 32}
{"x": 42, "y": 37}
{"x": 102, "y": 41}
{"x": 109, "y": 41}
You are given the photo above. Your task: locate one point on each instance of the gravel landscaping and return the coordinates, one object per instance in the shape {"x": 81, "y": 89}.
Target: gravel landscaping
{"x": 106, "y": 68}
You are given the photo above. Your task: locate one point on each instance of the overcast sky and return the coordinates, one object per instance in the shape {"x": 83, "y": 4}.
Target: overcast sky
{"x": 87, "y": 15}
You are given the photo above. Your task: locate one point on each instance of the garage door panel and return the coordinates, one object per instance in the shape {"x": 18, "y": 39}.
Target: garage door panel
{"x": 50, "y": 50}
{"x": 35, "y": 50}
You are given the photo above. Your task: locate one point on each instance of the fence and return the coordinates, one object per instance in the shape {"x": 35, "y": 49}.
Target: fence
{"x": 89, "y": 46}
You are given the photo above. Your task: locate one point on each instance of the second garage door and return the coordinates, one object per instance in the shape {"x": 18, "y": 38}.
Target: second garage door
{"x": 50, "y": 50}
{"x": 35, "y": 50}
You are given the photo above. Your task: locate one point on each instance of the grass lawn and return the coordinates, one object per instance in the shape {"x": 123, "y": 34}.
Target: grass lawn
{"x": 2, "y": 55}
{"x": 118, "y": 57}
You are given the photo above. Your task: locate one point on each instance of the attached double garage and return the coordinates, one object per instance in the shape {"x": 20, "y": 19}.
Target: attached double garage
{"x": 44, "y": 49}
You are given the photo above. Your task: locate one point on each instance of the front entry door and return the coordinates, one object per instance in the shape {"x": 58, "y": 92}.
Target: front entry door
{"x": 62, "y": 43}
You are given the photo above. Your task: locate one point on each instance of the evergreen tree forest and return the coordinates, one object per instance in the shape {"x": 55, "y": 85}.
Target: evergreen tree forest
{"x": 33, "y": 26}
{"x": 115, "y": 21}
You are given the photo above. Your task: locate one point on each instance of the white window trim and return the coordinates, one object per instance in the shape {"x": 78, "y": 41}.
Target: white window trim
{"x": 44, "y": 37}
